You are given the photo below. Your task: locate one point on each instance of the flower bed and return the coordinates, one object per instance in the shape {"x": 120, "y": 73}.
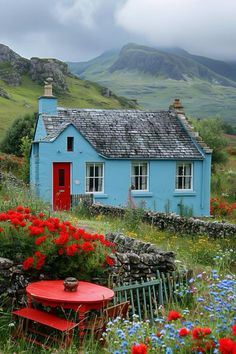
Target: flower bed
{"x": 208, "y": 326}
{"x": 220, "y": 208}
{"x": 52, "y": 245}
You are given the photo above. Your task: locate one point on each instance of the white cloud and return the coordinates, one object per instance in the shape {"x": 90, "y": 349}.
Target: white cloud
{"x": 198, "y": 25}
{"x": 77, "y": 11}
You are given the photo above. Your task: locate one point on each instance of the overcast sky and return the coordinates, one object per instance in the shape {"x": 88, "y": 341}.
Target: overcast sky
{"x": 77, "y": 30}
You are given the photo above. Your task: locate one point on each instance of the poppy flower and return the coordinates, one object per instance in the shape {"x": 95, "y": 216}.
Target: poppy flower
{"x": 183, "y": 332}
{"x": 139, "y": 349}
{"x": 173, "y": 316}
{"x": 227, "y": 346}
{"x": 28, "y": 263}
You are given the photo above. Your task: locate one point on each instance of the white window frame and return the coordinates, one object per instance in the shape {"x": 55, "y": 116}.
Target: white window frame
{"x": 87, "y": 166}
{"x": 132, "y": 176}
{"x": 184, "y": 175}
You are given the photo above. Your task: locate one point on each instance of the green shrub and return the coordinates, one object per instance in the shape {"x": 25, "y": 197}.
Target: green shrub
{"x": 51, "y": 245}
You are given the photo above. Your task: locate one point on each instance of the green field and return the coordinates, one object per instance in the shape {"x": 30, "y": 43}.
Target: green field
{"x": 199, "y": 98}
{"x": 81, "y": 94}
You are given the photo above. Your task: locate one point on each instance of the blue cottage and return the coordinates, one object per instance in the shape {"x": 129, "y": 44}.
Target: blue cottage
{"x": 154, "y": 158}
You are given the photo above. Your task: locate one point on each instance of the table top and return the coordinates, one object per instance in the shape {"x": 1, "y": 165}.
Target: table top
{"x": 53, "y": 290}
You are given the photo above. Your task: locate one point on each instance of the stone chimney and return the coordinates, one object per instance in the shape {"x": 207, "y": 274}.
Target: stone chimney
{"x": 48, "y": 87}
{"x": 177, "y": 106}
{"x": 47, "y": 103}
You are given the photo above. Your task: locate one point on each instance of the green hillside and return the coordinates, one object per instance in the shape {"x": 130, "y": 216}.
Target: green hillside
{"x": 21, "y": 83}
{"x": 155, "y": 78}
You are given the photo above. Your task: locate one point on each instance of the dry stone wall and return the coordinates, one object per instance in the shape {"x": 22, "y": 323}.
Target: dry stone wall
{"x": 175, "y": 223}
{"x": 135, "y": 260}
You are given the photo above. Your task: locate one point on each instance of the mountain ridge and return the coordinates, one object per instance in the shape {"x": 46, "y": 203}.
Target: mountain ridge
{"x": 156, "y": 76}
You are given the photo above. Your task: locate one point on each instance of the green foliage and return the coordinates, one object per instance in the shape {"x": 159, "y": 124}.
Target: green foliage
{"x": 23, "y": 99}
{"x": 211, "y": 131}
{"x": 228, "y": 128}
{"x": 20, "y": 128}
{"x": 15, "y": 192}
{"x": 25, "y": 151}
{"x": 10, "y": 163}
{"x": 132, "y": 218}
{"x": 184, "y": 210}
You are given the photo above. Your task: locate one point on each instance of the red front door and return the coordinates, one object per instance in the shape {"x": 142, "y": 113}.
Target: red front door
{"x": 61, "y": 186}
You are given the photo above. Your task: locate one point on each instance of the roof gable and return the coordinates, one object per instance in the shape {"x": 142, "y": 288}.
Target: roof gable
{"x": 126, "y": 133}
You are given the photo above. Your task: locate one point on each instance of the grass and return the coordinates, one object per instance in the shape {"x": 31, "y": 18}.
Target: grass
{"x": 196, "y": 252}
{"x": 200, "y": 98}
{"x": 81, "y": 94}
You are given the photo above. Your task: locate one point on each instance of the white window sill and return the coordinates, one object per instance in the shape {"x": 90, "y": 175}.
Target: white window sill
{"x": 184, "y": 192}
{"x": 101, "y": 196}
{"x": 141, "y": 193}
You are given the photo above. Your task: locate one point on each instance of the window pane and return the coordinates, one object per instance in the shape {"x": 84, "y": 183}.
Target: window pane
{"x": 184, "y": 176}
{"x": 94, "y": 178}
{"x": 70, "y": 143}
{"x": 139, "y": 176}
{"x": 61, "y": 178}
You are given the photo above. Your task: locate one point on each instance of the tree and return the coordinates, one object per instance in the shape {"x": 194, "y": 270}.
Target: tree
{"x": 212, "y": 132}
{"x": 21, "y": 127}
{"x": 25, "y": 151}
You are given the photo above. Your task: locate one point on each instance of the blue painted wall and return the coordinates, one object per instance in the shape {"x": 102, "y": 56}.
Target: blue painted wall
{"x": 160, "y": 197}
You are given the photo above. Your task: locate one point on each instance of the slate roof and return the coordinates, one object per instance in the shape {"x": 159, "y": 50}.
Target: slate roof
{"x": 127, "y": 133}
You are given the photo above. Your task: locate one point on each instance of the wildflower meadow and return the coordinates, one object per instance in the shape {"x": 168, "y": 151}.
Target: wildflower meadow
{"x": 207, "y": 326}
{"x": 201, "y": 320}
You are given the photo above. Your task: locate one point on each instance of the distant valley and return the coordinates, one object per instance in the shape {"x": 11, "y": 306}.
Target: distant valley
{"x": 154, "y": 77}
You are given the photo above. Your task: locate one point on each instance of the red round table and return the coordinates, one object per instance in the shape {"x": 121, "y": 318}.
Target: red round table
{"x": 88, "y": 297}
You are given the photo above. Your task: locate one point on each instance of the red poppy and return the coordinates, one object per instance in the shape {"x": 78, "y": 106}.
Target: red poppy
{"x": 227, "y": 346}
{"x": 206, "y": 331}
{"x": 40, "y": 263}
{"x": 198, "y": 332}
{"x": 20, "y": 208}
{"x": 139, "y": 349}
{"x": 39, "y": 240}
{"x": 39, "y": 254}
{"x": 183, "y": 332}
{"x": 109, "y": 261}
{"x": 28, "y": 263}
{"x": 87, "y": 247}
{"x": 35, "y": 230}
{"x": 173, "y": 315}
{"x": 71, "y": 250}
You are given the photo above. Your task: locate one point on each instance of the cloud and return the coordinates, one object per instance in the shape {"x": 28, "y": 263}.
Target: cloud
{"x": 74, "y": 12}
{"x": 203, "y": 26}
{"x": 78, "y": 30}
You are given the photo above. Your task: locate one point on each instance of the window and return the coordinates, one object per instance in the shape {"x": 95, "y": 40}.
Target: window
{"x": 139, "y": 176}
{"x": 94, "y": 177}
{"x": 184, "y": 176}
{"x": 70, "y": 143}
{"x": 35, "y": 149}
{"x": 61, "y": 177}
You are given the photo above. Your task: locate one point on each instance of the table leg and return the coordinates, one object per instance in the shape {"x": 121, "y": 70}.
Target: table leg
{"x": 29, "y": 300}
{"x": 81, "y": 318}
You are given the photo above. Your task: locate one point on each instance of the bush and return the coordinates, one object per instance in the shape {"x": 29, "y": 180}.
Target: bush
{"x": 21, "y": 127}
{"x": 220, "y": 208}
{"x": 51, "y": 245}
